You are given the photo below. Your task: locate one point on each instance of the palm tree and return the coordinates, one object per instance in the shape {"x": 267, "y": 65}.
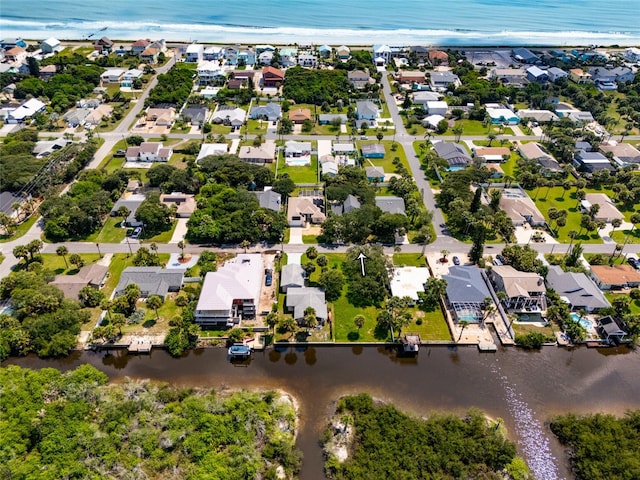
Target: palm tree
{"x": 182, "y": 301}
{"x": 444, "y": 254}
{"x": 20, "y": 251}
{"x": 153, "y": 247}
{"x": 155, "y": 302}
{"x": 491, "y": 136}
{"x": 359, "y": 321}
{"x": 566, "y": 186}
{"x": 572, "y": 235}
{"x": 181, "y": 247}
{"x": 63, "y": 251}
{"x": 457, "y": 131}
{"x": 118, "y": 321}
{"x": 489, "y": 308}
{"x": 288, "y": 325}
{"x": 463, "y": 324}
{"x": 615, "y": 223}
{"x": 107, "y": 305}
{"x": 245, "y": 244}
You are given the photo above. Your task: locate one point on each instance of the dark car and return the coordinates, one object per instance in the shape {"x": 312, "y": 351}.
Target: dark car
{"x": 268, "y": 279}
{"x": 633, "y": 262}
{"x": 456, "y": 261}
{"x": 501, "y": 259}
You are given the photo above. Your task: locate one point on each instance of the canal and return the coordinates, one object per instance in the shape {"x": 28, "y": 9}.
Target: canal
{"x": 523, "y": 388}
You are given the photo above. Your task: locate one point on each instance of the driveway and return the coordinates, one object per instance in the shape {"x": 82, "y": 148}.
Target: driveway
{"x": 181, "y": 230}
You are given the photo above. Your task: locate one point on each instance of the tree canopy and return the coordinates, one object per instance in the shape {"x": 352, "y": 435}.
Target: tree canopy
{"x": 304, "y": 85}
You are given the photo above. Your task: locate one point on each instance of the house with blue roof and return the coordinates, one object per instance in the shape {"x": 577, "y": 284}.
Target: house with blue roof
{"x": 271, "y": 112}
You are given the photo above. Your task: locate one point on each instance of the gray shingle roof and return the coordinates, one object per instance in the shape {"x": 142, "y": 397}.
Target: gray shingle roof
{"x": 269, "y": 199}
{"x": 391, "y": 204}
{"x": 292, "y": 274}
{"x": 465, "y": 284}
{"x": 577, "y": 287}
{"x": 299, "y": 299}
{"x": 151, "y": 280}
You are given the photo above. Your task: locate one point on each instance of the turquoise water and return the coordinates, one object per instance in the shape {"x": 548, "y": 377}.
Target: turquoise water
{"x": 584, "y": 323}
{"x": 456, "y": 22}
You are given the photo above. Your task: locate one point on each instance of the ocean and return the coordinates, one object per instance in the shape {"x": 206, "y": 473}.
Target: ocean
{"x": 353, "y": 22}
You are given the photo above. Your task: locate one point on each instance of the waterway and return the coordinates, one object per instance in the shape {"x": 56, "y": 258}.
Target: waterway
{"x": 523, "y": 388}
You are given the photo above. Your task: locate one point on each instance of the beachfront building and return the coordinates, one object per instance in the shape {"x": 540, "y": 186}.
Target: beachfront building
{"x": 51, "y": 45}
{"x": 524, "y": 55}
{"x": 232, "y": 293}
{"x": 194, "y": 53}
{"x": 381, "y": 55}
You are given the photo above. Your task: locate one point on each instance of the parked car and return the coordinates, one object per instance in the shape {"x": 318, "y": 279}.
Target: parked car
{"x": 268, "y": 279}
{"x": 136, "y": 233}
{"x": 501, "y": 259}
{"x": 633, "y": 262}
{"x": 456, "y": 261}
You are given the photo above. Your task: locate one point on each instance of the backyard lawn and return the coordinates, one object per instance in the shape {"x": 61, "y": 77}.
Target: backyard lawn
{"x": 634, "y": 306}
{"x": 302, "y": 174}
{"x": 387, "y": 162}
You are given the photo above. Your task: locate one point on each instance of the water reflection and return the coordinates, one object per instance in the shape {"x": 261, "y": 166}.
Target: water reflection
{"x": 274, "y": 355}
{"x": 117, "y": 359}
{"x": 291, "y": 358}
{"x": 357, "y": 350}
{"x": 310, "y": 357}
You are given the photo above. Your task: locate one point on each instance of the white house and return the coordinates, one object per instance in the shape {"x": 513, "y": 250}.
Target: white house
{"x": 632, "y": 54}
{"x": 113, "y": 75}
{"x": 209, "y": 72}
{"x": 194, "y": 53}
{"x": 208, "y": 149}
{"x": 129, "y": 76}
{"x": 26, "y": 111}
{"x": 51, "y": 45}
{"x": 437, "y": 108}
{"x": 149, "y": 152}
{"x": 556, "y": 74}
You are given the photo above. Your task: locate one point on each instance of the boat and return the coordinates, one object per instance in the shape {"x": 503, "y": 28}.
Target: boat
{"x": 239, "y": 350}
{"x": 103, "y": 29}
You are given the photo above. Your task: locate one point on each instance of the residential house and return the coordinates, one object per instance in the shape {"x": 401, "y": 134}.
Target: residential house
{"x": 103, "y": 45}
{"x": 212, "y": 53}
{"x": 7, "y": 200}
{"x": 51, "y": 45}
{"x": 299, "y": 299}
{"x": 236, "y": 83}
{"x": 423, "y": 97}
{"x": 374, "y": 174}
{"x": 408, "y": 282}
{"x": 607, "y": 210}
{"x": 343, "y": 148}
{"x": 140, "y": 46}
{"x": 623, "y": 153}
{"x": 524, "y": 292}
{"x": 150, "y": 55}
{"x": 26, "y": 111}
{"x": 271, "y": 112}
{"x": 350, "y": 204}
{"x": 303, "y": 210}
{"x": 97, "y": 115}
{"x": 232, "y": 293}
{"x": 151, "y": 280}
{"x": 510, "y": 76}
{"x": 288, "y": 56}
{"x": 324, "y": 51}
{"x": 15, "y": 54}
{"x": 616, "y": 277}
{"x": 537, "y": 75}
{"x": 230, "y": 55}
{"x": 129, "y": 77}
{"x": 270, "y": 200}
{"x": 467, "y": 291}
{"x": 299, "y": 115}
{"x": 210, "y": 73}
{"x": 149, "y": 152}
{"x": 556, "y": 74}
{"x": 212, "y": 149}
{"x": 589, "y": 56}
{"x": 196, "y": 115}
{"x": 194, "y": 53}
{"x": 632, "y": 54}
{"x": 438, "y": 57}
{"x": 373, "y": 150}
{"x": 366, "y": 110}
{"x": 47, "y": 72}
{"x": 535, "y": 151}
{"x": 455, "y": 155}
{"x": 272, "y": 77}
{"x": 502, "y": 116}
{"x": 329, "y": 118}
{"x": 246, "y": 56}
{"x": 411, "y": 77}
{"x": 561, "y": 55}
{"x": 291, "y": 276}
{"x": 381, "y": 55}
{"x": 265, "y": 58}
{"x": 183, "y": 204}
{"x": 520, "y": 208}
{"x": 44, "y": 148}
{"x": 441, "y": 80}
{"x": 420, "y": 53}
{"x": 540, "y": 116}
{"x": 230, "y": 116}
{"x": 496, "y": 170}
{"x": 579, "y": 76}
{"x": 591, "y": 161}
{"x": 492, "y": 154}
{"x": 163, "y": 117}
{"x": 261, "y": 155}
{"x": 10, "y": 43}
{"x": 293, "y": 149}
{"x": 112, "y": 75}
{"x": 88, "y": 276}
{"x": 131, "y": 203}
{"x": 307, "y": 59}
{"x": 577, "y": 116}
{"x": 437, "y": 107}
{"x": 612, "y": 329}
{"x": 359, "y": 79}
{"x": 329, "y": 168}
{"x": 524, "y": 55}
{"x": 265, "y": 48}
{"x": 576, "y": 289}
{"x": 75, "y": 117}
{"x": 343, "y": 52}
{"x": 391, "y": 204}
{"x": 432, "y": 121}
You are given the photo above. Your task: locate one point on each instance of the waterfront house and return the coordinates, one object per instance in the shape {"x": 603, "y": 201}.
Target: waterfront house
{"x": 149, "y": 152}
{"x": 466, "y": 293}
{"x": 260, "y": 155}
{"x": 391, "y": 204}
{"x": 324, "y": 51}
{"x": 632, "y": 54}
{"x": 612, "y": 328}
{"x": 265, "y": 58}
{"x": 299, "y": 115}
{"x": 210, "y": 73}
{"x": 271, "y": 112}
{"x": 299, "y": 299}
{"x": 269, "y": 199}
{"x": 51, "y": 45}
{"x": 438, "y": 57}
{"x": 420, "y": 53}
{"x": 372, "y": 150}
{"x": 524, "y": 292}
{"x": 139, "y": 46}
{"x": 524, "y": 55}
{"x": 9, "y": 43}
{"x": 366, "y": 110}
{"x": 272, "y": 77}
{"x": 455, "y": 155}
{"x": 616, "y": 277}
{"x": 103, "y": 45}
{"x": 212, "y": 53}
{"x": 623, "y": 154}
{"x": 194, "y": 53}
{"x": 381, "y": 55}
{"x": 151, "y": 280}
{"x": 291, "y": 275}
{"x": 576, "y": 289}
{"x": 343, "y": 52}
{"x": 374, "y": 174}
{"x": 15, "y": 54}
{"x": 304, "y": 210}
{"x": 441, "y": 80}
{"x": 183, "y": 204}
{"x": 232, "y": 293}
{"x": 520, "y": 209}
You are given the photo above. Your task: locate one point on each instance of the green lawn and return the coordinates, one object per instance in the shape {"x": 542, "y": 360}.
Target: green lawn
{"x": 309, "y": 239}
{"x": 55, "y": 263}
{"x": 257, "y": 127}
{"x": 306, "y": 174}
{"x": 20, "y": 229}
{"x": 162, "y": 237}
{"x": 409, "y": 260}
{"x": 631, "y": 236}
{"x": 634, "y": 306}
{"x": 387, "y": 161}
{"x": 111, "y": 232}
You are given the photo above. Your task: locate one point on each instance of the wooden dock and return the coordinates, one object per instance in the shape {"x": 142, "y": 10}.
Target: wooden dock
{"x": 140, "y": 346}
{"x": 487, "y": 347}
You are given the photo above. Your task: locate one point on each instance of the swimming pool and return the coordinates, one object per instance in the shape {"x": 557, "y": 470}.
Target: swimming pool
{"x": 584, "y": 322}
